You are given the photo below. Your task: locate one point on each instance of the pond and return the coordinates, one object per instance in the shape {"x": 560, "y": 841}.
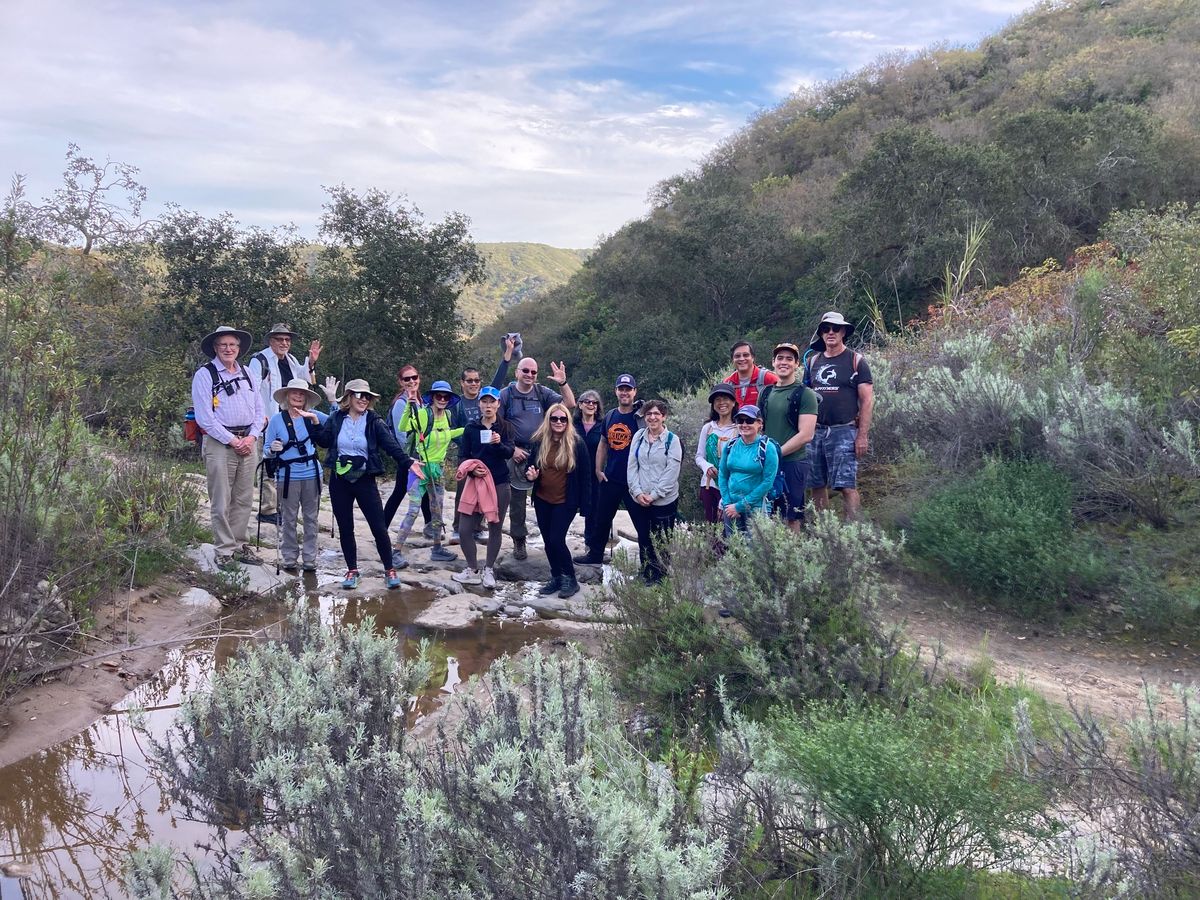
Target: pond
{"x": 70, "y": 816}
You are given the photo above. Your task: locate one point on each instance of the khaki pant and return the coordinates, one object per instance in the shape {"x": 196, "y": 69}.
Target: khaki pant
{"x": 231, "y": 494}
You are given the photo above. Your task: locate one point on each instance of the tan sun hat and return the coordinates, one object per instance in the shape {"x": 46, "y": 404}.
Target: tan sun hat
{"x": 357, "y": 385}
{"x": 297, "y": 384}
{"x": 280, "y": 328}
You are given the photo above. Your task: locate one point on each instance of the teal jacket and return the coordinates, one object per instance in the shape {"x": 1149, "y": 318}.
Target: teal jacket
{"x": 742, "y": 479}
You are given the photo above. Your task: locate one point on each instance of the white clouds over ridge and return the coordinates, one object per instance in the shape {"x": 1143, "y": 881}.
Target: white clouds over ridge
{"x": 540, "y": 121}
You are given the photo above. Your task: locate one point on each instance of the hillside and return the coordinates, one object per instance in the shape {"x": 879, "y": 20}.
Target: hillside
{"x": 516, "y": 272}
{"x": 860, "y": 192}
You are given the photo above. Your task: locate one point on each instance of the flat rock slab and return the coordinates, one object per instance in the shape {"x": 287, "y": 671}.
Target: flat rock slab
{"x": 456, "y": 611}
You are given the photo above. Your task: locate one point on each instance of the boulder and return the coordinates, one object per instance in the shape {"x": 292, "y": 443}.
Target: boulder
{"x": 205, "y": 558}
{"x": 198, "y": 598}
{"x": 533, "y": 569}
{"x": 488, "y": 606}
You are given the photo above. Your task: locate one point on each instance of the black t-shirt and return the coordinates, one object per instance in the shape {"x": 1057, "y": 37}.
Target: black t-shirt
{"x": 619, "y": 429}
{"x": 835, "y": 380}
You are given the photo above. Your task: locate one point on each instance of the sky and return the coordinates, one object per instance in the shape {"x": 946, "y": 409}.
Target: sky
{"x": 540, "y": 121}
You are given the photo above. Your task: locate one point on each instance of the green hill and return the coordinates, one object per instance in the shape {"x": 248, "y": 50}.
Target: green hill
{"x": 859, "y": 193}
{"x": 516, "y": 272}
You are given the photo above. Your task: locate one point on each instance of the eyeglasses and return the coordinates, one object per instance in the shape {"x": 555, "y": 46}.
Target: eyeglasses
{"x": 410, "y": 377}
{"x": 826, "y": 328}
{"x": 558, "y": 419}
{"x": 472, "y": 381}
{"x": 225, "y": 345}
{"x": 529, "y": 371}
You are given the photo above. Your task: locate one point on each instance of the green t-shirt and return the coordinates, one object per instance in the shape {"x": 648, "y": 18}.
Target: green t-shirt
{"x": 777, "y": 427}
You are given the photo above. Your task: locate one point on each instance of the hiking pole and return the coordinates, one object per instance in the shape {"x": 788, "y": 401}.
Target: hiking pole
{"x": 258, "y": 531}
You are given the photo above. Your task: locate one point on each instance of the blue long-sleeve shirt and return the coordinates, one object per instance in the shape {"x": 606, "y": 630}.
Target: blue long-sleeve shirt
{"x": 742, "y": 480}
{"x": 277, "y": 430}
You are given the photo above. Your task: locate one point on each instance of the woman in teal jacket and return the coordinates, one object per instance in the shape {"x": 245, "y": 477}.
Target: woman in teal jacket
{"x": 747, "y": 471}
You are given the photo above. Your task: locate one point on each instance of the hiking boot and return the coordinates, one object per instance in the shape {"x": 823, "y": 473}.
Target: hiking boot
{"x": 393, "y": 580}
{"x": 398, "y": 561}
{"x": 310, "y": 567}
{"x": 350, "y": 582}
{"x": 430, "y": 532}
{"x": 247, "y": 556}
{"x": 467, "y": 576}
{"x": 570, "y": 587}
{"x": 441, "y": 554}
{"x": 589, "y": 558}
{"x": 289, "y": 567}
{"x": 489, "y": 577}
{"x": 519, "y": 551}
{"x": 551, "y": 587}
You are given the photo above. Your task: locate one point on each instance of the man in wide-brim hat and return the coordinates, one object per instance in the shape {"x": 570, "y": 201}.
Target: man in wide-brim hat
{"x": 842, "y": 379}
{"x": 276, "y": 366}
{"x": 228, "y": 403}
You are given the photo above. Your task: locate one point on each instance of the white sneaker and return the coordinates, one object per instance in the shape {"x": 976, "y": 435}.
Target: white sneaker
{"x": 489, "y": 578}
{"x": 467, "y": 576}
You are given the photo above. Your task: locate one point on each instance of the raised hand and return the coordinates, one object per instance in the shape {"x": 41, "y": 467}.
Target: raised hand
{"x": 558, "y": 371}
{"x": 330, "y": 388}
{"x": 314, "y": 352}
{"x": 510, "y": 344}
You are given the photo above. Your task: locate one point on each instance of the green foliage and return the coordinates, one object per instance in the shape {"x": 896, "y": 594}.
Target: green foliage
{"x": 1006, "y": 531}
{"x": 915, "y": 804}
{"x": 303, "y": 743}
{"x": 515, "y": 272}
{"x": 804, "y": 622}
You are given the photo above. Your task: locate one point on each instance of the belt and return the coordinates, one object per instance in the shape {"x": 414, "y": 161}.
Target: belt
{"x": 839, "y": 425}
{"x": 239, "y": 430}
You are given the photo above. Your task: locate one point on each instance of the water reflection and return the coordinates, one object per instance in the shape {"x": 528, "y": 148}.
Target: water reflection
{"x": 73, "y": 813}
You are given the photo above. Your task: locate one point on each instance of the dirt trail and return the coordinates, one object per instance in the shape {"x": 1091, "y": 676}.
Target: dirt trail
{"x": 1104, "y": 673}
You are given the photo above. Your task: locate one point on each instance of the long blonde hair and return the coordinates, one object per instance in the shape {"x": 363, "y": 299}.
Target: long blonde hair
{"x": 558, "y": 454}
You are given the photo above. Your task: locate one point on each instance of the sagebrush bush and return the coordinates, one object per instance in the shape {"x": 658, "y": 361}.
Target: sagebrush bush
{"x": 803, "y": 621}
{"x": 1007, "y": 531}
{"x": 534, "y": 792}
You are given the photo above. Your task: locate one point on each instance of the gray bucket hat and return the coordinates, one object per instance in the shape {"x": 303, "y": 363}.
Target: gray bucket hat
{"x": 830, "y": 318}
{"x": 297, "y": 384}
{"x": 206, "y": 345}
{"x": 357, "y": 385}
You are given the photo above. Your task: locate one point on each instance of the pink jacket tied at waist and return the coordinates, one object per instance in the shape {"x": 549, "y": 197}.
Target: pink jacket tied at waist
{"x": 479, "y": 492}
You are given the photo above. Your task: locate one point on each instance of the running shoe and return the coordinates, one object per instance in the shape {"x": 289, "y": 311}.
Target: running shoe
{"x": 441, "y": 554}
{"x": 489, "y": 577}
{"x": 466, "y": 576}
{"x": 393, "y": 580}
{"x": 350, "y": 582}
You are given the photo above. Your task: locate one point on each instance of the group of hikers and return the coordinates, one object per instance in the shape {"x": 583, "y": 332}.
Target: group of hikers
{"x": 771, "y": 436}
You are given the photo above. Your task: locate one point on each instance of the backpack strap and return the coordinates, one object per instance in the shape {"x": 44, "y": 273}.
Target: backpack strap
{"x": 218, "y": 382}
{"x": 262, "y": 361}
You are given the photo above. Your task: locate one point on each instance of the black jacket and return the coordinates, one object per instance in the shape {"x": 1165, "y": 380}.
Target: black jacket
{"x": 379, "y": 438}
{"x": 579, "y": 481}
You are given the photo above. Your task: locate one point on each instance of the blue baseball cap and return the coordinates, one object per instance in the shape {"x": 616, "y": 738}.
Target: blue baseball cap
{"x": 750, "y": 411}
{"x": 626, "y": 381}
{"x": 490, "y": 391}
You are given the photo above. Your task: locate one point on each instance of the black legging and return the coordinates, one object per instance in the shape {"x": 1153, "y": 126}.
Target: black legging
{"x": 342, "y": 496}
{"x": 652, "y": 523}
{"x": 554, "y": 519}
{"x": 397, "y": 496}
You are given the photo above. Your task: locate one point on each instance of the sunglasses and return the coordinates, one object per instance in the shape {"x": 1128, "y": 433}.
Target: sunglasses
{"x": 362, "y": 395}
{"x": 472, "y": 381}
{"x": 742, "y": 420}
{"x": 826, "y": 328}
{"x": 529, "y": 371}
{"x": 410, "y": 378}
{"x": 590, "y": 402}
{"x": 445, "y": 398}
{"x": 558, "y": 418}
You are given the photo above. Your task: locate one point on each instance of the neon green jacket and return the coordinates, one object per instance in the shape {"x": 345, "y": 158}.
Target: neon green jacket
{"x": 431, "y": 447}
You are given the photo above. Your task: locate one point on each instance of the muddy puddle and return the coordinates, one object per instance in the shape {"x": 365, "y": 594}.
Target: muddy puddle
{"x": 70, "y": 816}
